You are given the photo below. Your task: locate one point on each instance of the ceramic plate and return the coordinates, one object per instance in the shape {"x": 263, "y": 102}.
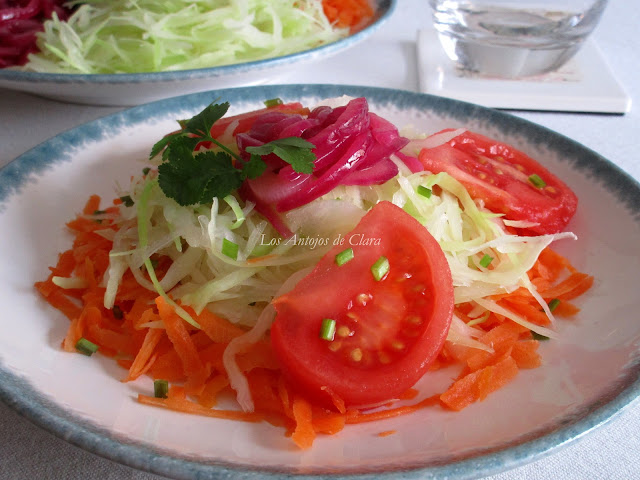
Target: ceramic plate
{"x": 588, "y": 375}
{"x": 139, "y": 88}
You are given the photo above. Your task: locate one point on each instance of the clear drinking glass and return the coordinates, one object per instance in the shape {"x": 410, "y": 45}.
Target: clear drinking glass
{"x": 511, "y": 38}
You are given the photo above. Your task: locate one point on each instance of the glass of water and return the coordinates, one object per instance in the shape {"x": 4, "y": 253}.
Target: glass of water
{"x": 514, "y": 38}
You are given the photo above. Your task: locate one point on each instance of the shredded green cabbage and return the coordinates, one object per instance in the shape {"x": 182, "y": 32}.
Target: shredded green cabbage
{"x": 201, "y": 276}
{"x": 130, "y": 36}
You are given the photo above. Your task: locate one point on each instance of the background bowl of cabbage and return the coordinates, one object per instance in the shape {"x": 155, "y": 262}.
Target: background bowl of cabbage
{"x": 125, "y": 52}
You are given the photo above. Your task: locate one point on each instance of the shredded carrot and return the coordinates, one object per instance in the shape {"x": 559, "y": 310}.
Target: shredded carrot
{"x": 477, "y": 385}
{"x": 209, "y": 396}
{"x": 145, "y": 356}
{"x": 356, "y": 416}
{"x": 328, "y": 422}
{"x": 92, "y": 205}
{"x": 525, "y": 353}
{"x": 304, "y": 433}
{"x": 347, "y": 13}
{"x": 574, "y": 286}
{"x": 179, "y": 336}
{"x": 218, "y": 329}
{"x": 146, "y": 336}
{"x": 183, "y": 405}
{"x": 263, "y": 258}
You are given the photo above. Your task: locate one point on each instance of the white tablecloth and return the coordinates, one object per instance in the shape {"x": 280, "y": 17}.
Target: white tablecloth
{"x": 386, "y": 59}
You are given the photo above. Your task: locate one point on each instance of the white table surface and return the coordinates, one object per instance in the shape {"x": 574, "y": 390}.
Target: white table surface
{"x": 386, "y": 59}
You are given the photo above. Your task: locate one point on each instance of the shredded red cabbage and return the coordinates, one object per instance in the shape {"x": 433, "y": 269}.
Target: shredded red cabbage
{"x": 20, "y": 20}
{"x": 353, "y": 146}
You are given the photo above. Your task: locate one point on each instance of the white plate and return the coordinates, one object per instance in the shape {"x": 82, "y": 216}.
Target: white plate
{"x": 138, "y": 88}
{"x": 588, "y": 375}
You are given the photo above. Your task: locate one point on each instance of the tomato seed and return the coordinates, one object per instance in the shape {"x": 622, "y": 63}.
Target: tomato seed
{"x": 343, "y": 331}
{"x": 384, "y": 358}
{"x": 397, "y": 345}
{"x": 335, "y": 346}
{"x": 414, "y": 320}
{"x": 363, "y": 299}
{"x": 356, "y": 354}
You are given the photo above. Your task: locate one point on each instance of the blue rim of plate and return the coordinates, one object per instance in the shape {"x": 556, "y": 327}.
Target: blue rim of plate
{"x": 18, "y": 394}
{"x": 385, "y": 9}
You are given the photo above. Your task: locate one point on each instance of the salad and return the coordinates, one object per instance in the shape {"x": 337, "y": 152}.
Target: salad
{"x": 131, "y": 36}
{"x": 313, "y": 264}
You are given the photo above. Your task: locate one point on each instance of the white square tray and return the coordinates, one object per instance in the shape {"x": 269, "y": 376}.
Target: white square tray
{"x": 584, "y": 84}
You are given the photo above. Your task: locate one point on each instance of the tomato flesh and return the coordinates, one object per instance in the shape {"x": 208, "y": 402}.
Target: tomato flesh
{"x": 500, "y": 176}
{"x": 387, "y": 332}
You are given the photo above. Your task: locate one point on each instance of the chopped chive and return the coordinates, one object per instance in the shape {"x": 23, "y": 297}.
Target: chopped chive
{"x": 127, "y": 201}
{"x": 537, "y": 336}
{"x": 486, "y": 261}
{"x": 328, "y": 329}
{"x": 117, "y": 312}
{"x": 344, "y": 256}
{"x": 380, "y": 268}
{"x": 160, "y": 388}
{"x": 146, "y": 170}
{"x": 86, "y": 347}
{"x": 230, "y": 249}
{"x": 99, "y": 212}
{"x": 272, "y": 102}
{"x": 553, "y": 304}
{"x": 537, "y": 181}
{"x": 424, "y": 191}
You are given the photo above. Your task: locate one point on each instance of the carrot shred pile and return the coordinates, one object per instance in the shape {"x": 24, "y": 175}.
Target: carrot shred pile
{"x": 347, "y": 13}
{"x": 146, "y": 336}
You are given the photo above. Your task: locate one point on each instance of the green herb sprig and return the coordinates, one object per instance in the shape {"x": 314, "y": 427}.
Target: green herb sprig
{"x": 197, "y": 177}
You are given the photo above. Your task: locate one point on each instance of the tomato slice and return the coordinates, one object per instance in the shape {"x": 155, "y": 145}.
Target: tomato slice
{"x": 506, "y": 180}
{"x": 387, "y": 332}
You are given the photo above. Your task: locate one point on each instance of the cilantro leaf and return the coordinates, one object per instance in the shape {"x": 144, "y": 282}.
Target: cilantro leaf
{"x": 300, "y": 160}
{"x": 198, "y": 178}
{"x": 254, "y": 167}
{"x": 294, "y": 142}
{"x": 161, "y": 144}
{"x": 293, "y": 150}
{"x": 201, "y": 123}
